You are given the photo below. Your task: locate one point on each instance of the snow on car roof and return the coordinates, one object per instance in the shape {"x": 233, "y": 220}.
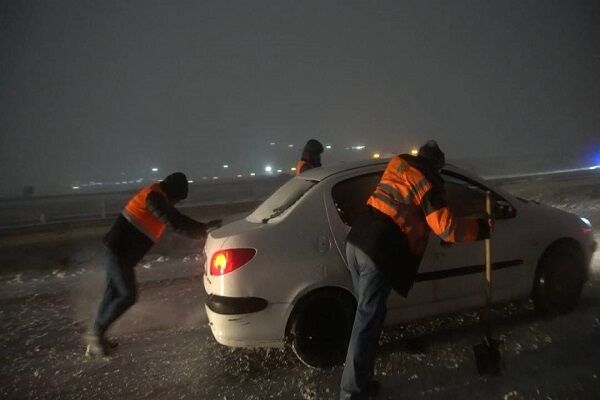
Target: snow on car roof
{"x": 318, "y": 174}
{"x": 321, "y": 173}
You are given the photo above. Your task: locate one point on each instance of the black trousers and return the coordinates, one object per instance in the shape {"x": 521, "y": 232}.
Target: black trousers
{"x": 120, "y": 293}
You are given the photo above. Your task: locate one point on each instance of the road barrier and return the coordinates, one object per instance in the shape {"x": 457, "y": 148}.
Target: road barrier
{"x": 20, "y": 212}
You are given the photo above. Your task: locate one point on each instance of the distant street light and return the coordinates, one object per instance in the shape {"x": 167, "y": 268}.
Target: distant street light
{"x": 414, "y": 151}
{"x": 154, "y": 169}
{"x": 278, "y": 171}
{"x": 75, "y": 187}
{"x": 328, "y": 146}
{"x": 376, "y": 155}
{"x": 290, "y": 145}
{"x": 225, "y": 166}
{"x": 293, "y": 168}
{"x": 268, "y": 169}
{"x": 252, "y": 173}
{"x": 239, "y": 175}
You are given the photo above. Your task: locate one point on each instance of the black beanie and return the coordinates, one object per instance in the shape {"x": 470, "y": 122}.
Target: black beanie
{"x": 176, "y": 186}
{"x": 432, "y": 152}
{"x": 313, "y": 146}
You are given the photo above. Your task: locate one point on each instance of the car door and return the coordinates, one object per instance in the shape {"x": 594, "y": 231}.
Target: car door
{"x": 345, "y": 198}
{"x": 457, "y": 270}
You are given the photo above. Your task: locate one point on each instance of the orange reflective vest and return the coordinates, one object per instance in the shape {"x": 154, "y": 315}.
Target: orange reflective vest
{"x": 405, "y": 195}
{"x": 302, "y": 166}
{"x": 139, "y": 216}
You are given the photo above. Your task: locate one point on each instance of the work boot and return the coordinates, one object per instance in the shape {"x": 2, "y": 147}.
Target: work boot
{"x": 94, "y": 345}
{"x": 109, "y": 344}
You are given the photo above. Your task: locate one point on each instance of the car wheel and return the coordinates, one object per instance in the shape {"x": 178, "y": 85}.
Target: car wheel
{"x": 321, "y": 327}
{"x": 559, "y": 279}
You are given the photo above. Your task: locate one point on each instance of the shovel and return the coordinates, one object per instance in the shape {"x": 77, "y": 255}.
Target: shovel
{"x": 487, "y": 354}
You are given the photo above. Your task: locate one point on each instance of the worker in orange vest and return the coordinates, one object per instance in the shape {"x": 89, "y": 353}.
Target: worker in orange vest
{"x": 385, "y": 246}
{"x": 311, "y": 156}
{"x": 139, "y": 226}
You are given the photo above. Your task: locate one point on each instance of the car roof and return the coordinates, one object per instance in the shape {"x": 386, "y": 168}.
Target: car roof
{"x": 321, "y": 173}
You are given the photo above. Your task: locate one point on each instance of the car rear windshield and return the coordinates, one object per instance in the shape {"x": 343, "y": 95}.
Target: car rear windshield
{"x": 281, "y": 200}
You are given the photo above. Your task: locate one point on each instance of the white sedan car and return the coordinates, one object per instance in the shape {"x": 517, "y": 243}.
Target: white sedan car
{"x": 279, "y": 275}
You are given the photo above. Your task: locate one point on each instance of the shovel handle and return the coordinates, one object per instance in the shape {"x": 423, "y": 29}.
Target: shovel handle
{"x": 488, "y": 253}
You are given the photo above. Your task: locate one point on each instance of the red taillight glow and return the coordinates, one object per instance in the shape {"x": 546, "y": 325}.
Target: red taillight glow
{"x": 225, "y": 261}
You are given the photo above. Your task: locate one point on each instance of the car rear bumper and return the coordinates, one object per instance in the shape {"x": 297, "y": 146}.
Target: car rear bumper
{"x": 235, "y": 305}
{"x": 265, "y": 328}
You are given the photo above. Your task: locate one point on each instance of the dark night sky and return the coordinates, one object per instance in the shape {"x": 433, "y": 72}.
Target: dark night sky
{"x": 89, "y": 90}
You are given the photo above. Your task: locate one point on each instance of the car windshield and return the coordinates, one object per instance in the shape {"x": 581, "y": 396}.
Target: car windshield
{"x": 281, "y": 200}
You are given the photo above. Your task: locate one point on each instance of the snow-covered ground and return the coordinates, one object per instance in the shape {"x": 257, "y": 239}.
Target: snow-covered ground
{"x": 167, "y": 351}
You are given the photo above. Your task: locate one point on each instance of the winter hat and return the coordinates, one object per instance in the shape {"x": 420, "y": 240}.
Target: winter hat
{"x": 432, "y": 152}
{"x": 176, "y": 186}
{"x": 313, "y": 146}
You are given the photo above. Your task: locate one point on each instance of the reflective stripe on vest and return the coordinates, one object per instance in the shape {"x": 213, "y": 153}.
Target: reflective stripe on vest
{"x": 137, "y": 213}
{"x": 401, "y": 187}
{"x": 399, "y": 195}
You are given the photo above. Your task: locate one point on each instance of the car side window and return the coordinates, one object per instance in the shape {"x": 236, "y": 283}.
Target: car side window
{"x": 466, "y": 198}
{"x": 350, "y": 196}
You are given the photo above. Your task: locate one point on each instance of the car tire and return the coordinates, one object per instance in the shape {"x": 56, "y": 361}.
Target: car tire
{"x": 321, "y": 326}
{"x": 559, "y": 279}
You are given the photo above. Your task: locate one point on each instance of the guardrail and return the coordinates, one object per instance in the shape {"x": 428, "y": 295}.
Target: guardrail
{"x": 34, "y": 211}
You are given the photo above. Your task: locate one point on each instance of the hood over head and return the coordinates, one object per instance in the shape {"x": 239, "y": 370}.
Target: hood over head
{"x": 431, "y": 153}
{"x": 312, "y": 152}
{"x": 176, "y": 186}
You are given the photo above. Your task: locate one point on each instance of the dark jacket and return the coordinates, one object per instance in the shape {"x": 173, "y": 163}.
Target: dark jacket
{"x": 130, "y": 244}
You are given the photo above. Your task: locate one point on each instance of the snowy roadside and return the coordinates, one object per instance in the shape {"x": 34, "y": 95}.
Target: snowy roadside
{"x": 167, "y": 350}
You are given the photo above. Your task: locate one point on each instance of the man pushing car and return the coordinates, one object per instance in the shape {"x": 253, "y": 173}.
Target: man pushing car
{"x": 137, "y": 228}
{"x": 384, "y": 249}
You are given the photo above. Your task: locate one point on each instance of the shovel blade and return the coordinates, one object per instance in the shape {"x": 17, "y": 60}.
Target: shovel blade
{"x": 488, "y": 357}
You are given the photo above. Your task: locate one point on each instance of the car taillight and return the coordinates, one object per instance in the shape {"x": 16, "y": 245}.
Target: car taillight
{"x": 225, "y": 261}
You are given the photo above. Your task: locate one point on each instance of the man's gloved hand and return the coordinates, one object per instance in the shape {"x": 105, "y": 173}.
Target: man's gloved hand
{"x": 214, "y": 224}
